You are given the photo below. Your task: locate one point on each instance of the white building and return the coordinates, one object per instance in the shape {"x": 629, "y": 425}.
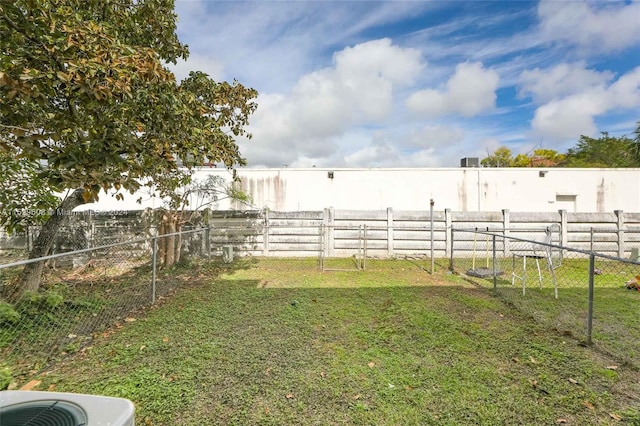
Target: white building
{"x": 458, "y": 189}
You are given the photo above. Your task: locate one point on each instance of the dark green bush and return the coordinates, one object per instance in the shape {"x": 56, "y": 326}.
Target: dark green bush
{"x": 34, "y": 303}
{"x": 8, "y": 314}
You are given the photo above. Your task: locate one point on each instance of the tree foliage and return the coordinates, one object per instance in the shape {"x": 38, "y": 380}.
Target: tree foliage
{"x": 503, "y": 157}
{"x": 29, "y": 201}
{"x": 85, "y": 90}
{"x": 84, "y": 87}
{"x": 605, "y": 151}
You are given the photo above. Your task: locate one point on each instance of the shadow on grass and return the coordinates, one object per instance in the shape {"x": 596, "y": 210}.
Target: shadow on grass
{"x": 283, "y": 344}
{"x": 75, "y": 306}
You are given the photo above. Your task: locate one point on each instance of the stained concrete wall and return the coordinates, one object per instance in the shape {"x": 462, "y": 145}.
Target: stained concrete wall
{"x": 458, "y": 189}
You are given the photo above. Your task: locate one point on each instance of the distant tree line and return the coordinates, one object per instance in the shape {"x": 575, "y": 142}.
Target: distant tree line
{"x": 603, "y": 152}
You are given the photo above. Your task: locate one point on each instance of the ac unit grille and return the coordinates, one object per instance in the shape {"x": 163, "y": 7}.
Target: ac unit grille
{"x": 43, "y": 413}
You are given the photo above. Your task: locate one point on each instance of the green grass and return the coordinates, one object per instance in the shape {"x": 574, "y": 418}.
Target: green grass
{"x": 616, "y": 323}
{"x": 275, "y": 341}
{"x": 72, "y": 306}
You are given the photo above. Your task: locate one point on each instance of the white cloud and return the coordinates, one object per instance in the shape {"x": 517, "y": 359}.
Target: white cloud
{"x": 573, "y": 115}
{"x": 610, "y": 26}
{"x": 625, "y": 92}
{"x": 435, "y": 136}
{"x": 428, "y": 146}
{"x": 197, "y": 62}
{"x": 567, "y": 118}
{"x": 374, "y": 155}
{"x": 269, "y": 45}
{"x": 562, "y": 80}
{"x": 324, "y": 104}
{"x": 469, "y": 92}
{"x": 388, "y": 155}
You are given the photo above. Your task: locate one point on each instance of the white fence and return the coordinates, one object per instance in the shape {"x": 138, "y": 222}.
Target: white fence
{"x": 388, "y": 232}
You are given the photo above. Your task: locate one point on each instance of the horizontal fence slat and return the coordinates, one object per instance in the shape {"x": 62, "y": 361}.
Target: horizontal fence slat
{"x": 388, "y": 231}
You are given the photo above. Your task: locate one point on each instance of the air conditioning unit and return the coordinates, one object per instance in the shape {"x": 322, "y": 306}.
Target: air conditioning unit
{"x": 469, "y": 162}
{"x": 18, "y": 408}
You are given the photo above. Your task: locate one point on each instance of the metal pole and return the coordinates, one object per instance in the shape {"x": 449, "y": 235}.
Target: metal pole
{"x": 451, "y": 257}
{"x": 592, "y": 262}
{"x": 207, "y": 236}
{"x": 591, "y": 247}
{"x": 364, "y": 247}
{"x": 154, "y": 261}
{"x": 322, "y": 238}
{"x": 495, "y": 276}
{"x": 364, "y": 259}
{"x": 359, "y": 255}
{"x": 431, "y": 203}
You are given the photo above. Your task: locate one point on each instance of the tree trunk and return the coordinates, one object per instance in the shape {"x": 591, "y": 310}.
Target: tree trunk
{"x": 29, "y": 279}
{"x": 170, "y": 223}
{"x": 162, "y": 241}
{"x": 171, "y": 243}
{"x": 178, "y": 242}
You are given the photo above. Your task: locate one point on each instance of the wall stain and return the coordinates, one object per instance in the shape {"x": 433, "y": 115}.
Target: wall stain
{"x": 462, "y": 191}
{"x": 600, "y": 197}
{"x": 267, "y": 192}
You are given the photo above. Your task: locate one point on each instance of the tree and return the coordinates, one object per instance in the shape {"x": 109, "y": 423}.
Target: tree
{"x": 84, "y": 89}
{"x": 190, "y": 200}
{"x": 541, "y": 157}
{"x": 30, "y": 201}
{"x": 605, "y": 151}
{"x": 546, "y": 158}
{"x": 501, "y": 157}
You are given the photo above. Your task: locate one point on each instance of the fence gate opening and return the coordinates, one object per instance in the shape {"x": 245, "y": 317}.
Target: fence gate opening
{"x": 349, "y": 238}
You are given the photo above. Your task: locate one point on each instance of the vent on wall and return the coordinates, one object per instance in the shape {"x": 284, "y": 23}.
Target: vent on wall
{"x": 18, "y": 408}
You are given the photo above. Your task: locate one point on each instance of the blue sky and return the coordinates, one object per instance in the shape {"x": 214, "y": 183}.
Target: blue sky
{"x": 419, "y": 83}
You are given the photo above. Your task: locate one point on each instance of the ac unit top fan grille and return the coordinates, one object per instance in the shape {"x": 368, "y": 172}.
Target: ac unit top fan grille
{"x": 39, "y": 408}
{"x": 43, "y": 413}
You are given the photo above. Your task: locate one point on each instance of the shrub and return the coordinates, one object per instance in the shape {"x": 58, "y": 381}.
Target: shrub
{"x": 5, "y": 377}
{"x": 8, "y": 314}
{"x": 33, "y": 303}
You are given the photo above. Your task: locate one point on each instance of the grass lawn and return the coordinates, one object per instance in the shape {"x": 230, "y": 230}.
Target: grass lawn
{"x": 275, "y": 341}
{"x": 616, "y": 323}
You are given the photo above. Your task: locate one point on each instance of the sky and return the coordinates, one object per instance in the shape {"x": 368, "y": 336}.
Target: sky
{"x": 419, "y": 83}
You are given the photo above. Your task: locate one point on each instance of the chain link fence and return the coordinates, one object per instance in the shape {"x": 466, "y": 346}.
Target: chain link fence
{"x": 87, "y": 292}
{"x": 589, "y": 296}
{"x": 92, "y": 285}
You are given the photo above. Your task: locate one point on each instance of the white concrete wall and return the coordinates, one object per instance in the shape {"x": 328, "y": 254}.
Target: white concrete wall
{"x": 458, "y": 189}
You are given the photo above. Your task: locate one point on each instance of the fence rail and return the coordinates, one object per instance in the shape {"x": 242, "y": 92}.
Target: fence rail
{"x": 392, "y": 232}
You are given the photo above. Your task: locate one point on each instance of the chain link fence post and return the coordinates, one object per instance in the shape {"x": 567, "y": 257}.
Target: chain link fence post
{"x": 364, "y": 249}
{"x": 431, "y": 204}
{"x": 154, "y": 262}
{"x": 451, "y": 257}
{"x": 592, "y": 264}
{"x": 495, "y": 272}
